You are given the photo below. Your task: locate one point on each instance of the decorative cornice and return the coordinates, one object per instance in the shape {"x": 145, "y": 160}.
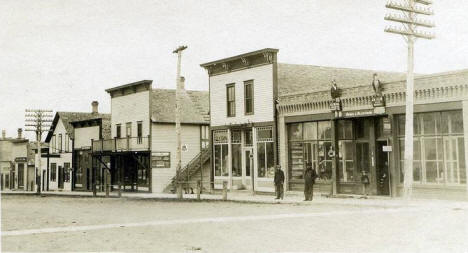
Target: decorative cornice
{"x": 356, "y": 98}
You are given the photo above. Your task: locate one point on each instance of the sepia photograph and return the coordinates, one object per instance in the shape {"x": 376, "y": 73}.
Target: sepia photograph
{"x": 237, "y": 126}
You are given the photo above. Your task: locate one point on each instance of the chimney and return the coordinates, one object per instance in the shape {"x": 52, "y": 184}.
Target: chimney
{"x": 94, "y": 105}
{"x": 3, "y": 134}
{"x": 20, "y": 133}
{"x": 182, "y": 83}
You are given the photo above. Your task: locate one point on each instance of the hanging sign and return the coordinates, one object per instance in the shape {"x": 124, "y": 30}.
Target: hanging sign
{"x": 387, "y": 148}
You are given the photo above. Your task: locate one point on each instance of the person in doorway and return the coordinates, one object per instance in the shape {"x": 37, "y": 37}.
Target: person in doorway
{"x": 279, "y": 181}
{"x": 309, "y": 179}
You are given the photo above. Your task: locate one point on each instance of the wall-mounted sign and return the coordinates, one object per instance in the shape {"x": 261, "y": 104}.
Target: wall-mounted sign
{"x": 387, "y": 148}
{"x": 363, "y": 113}
{"x": 21, "y": 159}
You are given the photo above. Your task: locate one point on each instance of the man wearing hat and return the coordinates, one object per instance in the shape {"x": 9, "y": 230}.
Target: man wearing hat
{"x": 309, "y": 179}
{"x": 279, "y": 181}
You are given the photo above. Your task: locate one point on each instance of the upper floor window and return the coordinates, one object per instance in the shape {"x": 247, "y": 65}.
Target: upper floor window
{"x": 248, "y": 97}
{"x": 118, "y": 130}
{"x": 139, "y": 131}
{"x": 128, "y": 129}
{"x": 67, "y": 143}
{"x": 52, "y": 144}
{"x": 231, "y": 100}
{"x": 60, "y": 150}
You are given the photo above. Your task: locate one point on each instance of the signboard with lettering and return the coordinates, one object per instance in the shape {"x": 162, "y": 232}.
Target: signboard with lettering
{"x": 387, "y": 148}
{"x": 364, "y": 113}
{"x": 21, "y": 159}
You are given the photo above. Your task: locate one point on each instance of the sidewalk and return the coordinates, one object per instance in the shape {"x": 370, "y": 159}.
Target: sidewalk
{"x": 295, "y": 198}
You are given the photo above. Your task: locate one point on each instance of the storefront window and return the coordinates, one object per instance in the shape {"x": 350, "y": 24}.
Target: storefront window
{"x": 346, "y": 161}
{"x": 53, "y": 172}
{"x": 236, "y": 154}
{"x": 265, "y": 152}
{"x": 438, "y": 148}
{"x": 220, "y": 142}
{"x": 306, "y": 145}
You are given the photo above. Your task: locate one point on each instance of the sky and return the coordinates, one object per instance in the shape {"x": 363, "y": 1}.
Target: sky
{"x": 62, "y": 54}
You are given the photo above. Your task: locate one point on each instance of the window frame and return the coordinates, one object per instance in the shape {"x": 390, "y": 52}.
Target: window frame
{"x": 128, "y": 128}
{"x": 230, "y": 113}
{"x": 53, "y": 172}
{"x": 249, "y": 83}
{"x": 60, "y": 143}
{"x": 118, "y": 131}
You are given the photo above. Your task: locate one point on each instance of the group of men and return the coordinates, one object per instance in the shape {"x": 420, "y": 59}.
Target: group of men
{"x": 309, "y": 180}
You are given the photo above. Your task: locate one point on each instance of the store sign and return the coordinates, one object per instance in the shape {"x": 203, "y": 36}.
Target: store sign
{"x": 364, "y": 113}
{"x": 387, "y": 148}
{"x": 386, "y": 126}
{"x": 21, "y": 159}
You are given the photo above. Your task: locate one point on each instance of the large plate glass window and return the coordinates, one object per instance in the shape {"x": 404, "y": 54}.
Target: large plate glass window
{"x": 236, "y": 149}
{"x": 265, "y": 153}
{"x": 220, "y": 156}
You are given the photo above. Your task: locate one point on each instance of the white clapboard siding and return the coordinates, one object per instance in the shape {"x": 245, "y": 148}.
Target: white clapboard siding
{"x": 130, "y": 108}
{"x": 263, "y": 96}
{"x": 164, "y": 140}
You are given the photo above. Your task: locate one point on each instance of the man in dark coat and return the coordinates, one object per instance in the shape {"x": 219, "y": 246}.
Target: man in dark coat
{"x": 309, "y": 179}
{"x": 279, "y": 181}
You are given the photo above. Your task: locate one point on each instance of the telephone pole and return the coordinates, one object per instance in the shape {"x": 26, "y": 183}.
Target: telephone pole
{"x": 409, "y": 22}
{"x": 39, "y": 120}
{"x": 178, "y": 51}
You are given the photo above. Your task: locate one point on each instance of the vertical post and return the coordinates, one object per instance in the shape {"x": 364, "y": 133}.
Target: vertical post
{"x": 39, "y": 151}
{"x": 225, "y": 183}
{"x": 178, "y": 51}
{"x": 335, "y": 158}
{"x": 465, "y": 131}
{"x": 94, "y": 180}
{"x": 201, "y": 157}
{"x": 408, "y": 176}
{"x": 198, "y": 190}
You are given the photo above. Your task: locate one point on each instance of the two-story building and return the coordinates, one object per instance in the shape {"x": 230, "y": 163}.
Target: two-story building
{"x": 243, "y": 93}
{"x": 265, "y": 113}
{"x": 57, "y": 171}
{"x": 15, "y": 172}
{"x": 142, "y": 150}
{"x": 86, "y": 169}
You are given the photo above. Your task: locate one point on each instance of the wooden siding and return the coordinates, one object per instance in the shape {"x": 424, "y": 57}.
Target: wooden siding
{"x": 130, "y": 108}
{"x": 164, "y": 140}
{"x": 84, "y": 135}
{"x": 263, "y": 96}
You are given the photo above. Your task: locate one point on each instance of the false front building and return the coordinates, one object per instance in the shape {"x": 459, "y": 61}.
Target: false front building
{"x": 142, "y": 148}
{"x": 345, "y": 122}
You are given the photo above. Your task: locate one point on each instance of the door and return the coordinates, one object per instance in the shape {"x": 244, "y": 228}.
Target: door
{"x": 20, "y": 175}
{"x": 12, "y": 179}
{"x": 382, "y": 175}
{"x": 248, "y": 169}
{"x": 60, "y": 177}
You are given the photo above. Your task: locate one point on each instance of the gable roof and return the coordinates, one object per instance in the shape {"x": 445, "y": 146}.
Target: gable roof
{"x": 298, "y": 79}
{"x": 194, "y": 110}
{"x": 68, "y": 117}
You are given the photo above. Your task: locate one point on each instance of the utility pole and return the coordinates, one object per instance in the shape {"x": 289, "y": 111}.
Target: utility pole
{"x": 39, "y": 120}
{"x": 178, "y": 51}
{"x": 409, "y": 10}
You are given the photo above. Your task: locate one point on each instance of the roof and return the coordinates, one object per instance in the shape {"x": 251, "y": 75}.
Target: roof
{"x": 149, "y": 82}
{"x": 68, "y": 117}
{"x": 273, "y": 50}
{"x": 298, "y": 79}
{"x": 195, "y": 106}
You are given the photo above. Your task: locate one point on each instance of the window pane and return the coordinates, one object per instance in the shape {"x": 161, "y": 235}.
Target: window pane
{"x": 429, "y": 123}
{"x": 217, "y": 160}
{"x": 261, "y": 166}
{"x": 430, "y": 149}
{"x": 224, "y": 168}
{"x": 270, "y": 160}
{"x": 310, "y": 131}
{"x": 236, "y": 160}
{"x": 295, "y": 131}
{"x": 417, "y": 171}
{"x": 431, "y": 172}
{"x": 362, "y": 128}
{"x": 248, "y": 137}
{"x": 324, "y": 130}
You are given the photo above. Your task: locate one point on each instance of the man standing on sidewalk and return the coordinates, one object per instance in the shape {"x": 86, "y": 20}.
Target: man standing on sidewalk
{"x": 279, "y": 181}
{"x": 309, "y": 180}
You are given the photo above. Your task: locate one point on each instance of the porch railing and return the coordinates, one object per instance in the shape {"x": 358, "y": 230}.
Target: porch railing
{"x": 122, "y": 144}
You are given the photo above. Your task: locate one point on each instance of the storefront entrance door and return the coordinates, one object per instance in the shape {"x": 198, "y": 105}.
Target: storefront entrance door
{"x": 20, "y": 175}
{"x": 60, "y": 177}
{"x": 382, "y": 174}
{"x": 248, "y": 168}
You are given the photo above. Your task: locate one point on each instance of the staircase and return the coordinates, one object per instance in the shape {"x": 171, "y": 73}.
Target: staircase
{"x": 189, "y": 170}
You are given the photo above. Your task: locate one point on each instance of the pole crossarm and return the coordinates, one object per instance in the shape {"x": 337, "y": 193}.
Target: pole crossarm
{"x": 407, "y": 8}
{"x": 418, "y": 34}
{"x": 403, "y": 19}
